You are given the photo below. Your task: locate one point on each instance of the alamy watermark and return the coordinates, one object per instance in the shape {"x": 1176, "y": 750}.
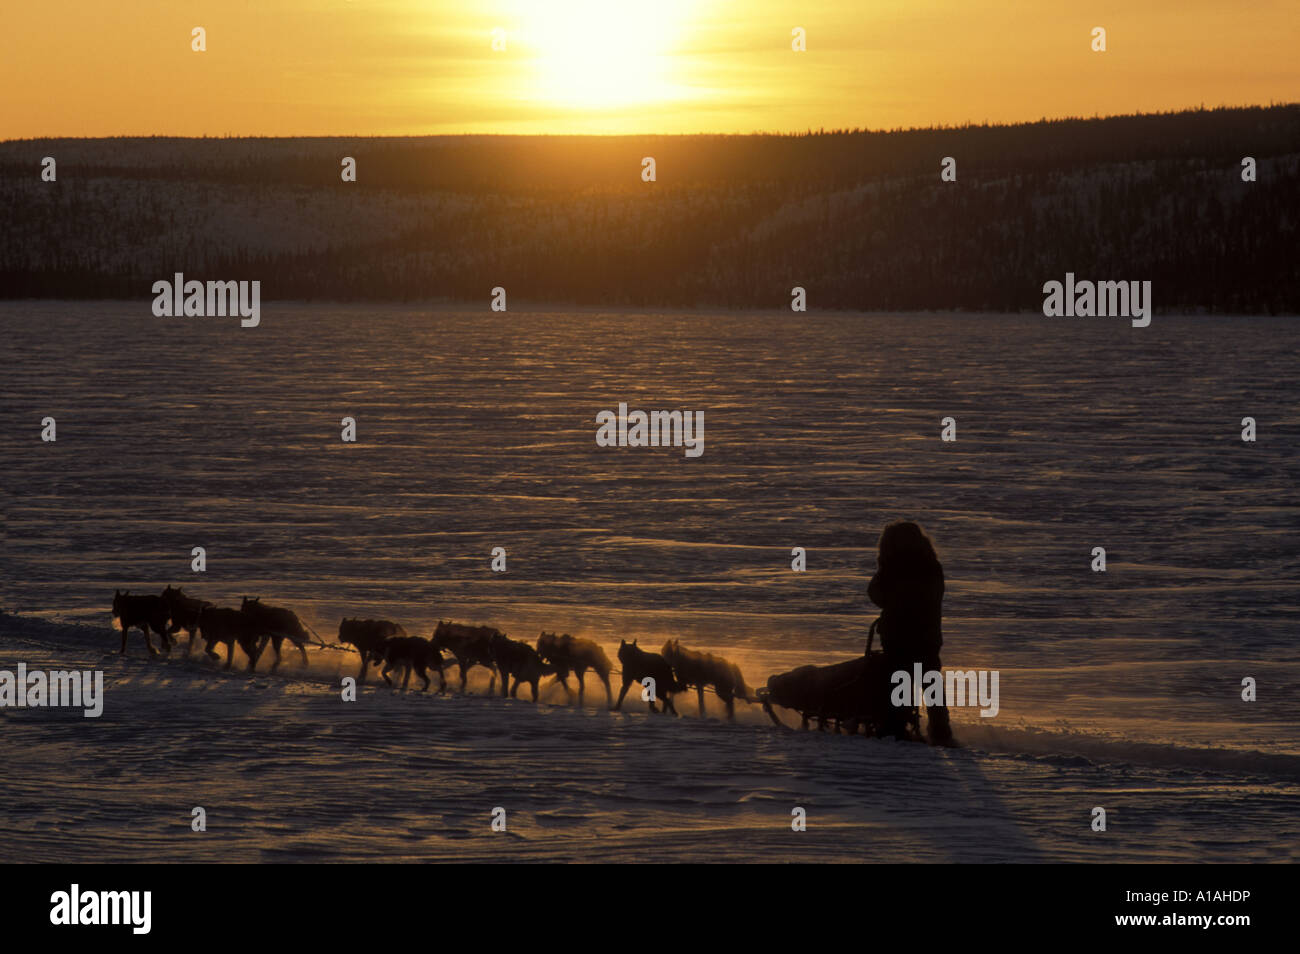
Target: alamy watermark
{"x": 75, "y": 907}
{"x": 651, "y": 429}
{"x": 38, "y": 689}
{"x": 955, "y": 687}
{"x": 1086, "y": 299}
{"x": 195, "y": 299}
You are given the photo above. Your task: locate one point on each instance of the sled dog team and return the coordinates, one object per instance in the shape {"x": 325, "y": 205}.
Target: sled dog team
{"x": 821, "y": 692}
{"x": 380, "y": 641}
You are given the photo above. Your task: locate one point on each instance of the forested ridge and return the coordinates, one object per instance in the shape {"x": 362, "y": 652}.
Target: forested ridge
{"x": 861, "y": 219}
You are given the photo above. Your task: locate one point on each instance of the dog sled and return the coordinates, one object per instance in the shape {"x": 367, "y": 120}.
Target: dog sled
{"x": 854, "y": 695}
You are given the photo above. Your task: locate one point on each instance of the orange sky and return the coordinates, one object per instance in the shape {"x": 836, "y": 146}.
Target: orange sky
{"x": 405, "y": 67}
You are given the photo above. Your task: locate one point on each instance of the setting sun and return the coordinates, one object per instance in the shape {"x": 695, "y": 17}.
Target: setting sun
{"x": 421, "y": 67}
{"x": 592, "y": 54}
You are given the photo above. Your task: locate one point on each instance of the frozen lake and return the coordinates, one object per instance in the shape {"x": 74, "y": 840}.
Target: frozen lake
{"x": 477, "y": 430}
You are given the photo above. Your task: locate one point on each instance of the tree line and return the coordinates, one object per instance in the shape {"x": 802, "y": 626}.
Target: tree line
{"x": 860, "y": 219}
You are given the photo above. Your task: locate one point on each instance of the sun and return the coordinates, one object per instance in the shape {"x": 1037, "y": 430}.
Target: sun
{"x": 602, "y": 54}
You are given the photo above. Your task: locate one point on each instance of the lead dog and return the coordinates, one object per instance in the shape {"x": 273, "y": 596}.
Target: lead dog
{"x": 572, "y": 654}
{"x": 701, "y": 669}
{"x": 146, "y": 612}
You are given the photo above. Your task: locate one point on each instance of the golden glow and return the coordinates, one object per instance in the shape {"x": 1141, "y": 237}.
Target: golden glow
{"x": 410, "y": 67}
{"x": 602, "y": 54}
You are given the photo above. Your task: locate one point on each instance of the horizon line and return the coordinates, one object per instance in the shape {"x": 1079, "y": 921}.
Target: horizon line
{"x": 808, "y": 132}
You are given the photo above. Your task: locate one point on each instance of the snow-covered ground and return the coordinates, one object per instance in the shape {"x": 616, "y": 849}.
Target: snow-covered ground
{"x": 1119, "y": 690}
{"x": 286, "y": 770}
